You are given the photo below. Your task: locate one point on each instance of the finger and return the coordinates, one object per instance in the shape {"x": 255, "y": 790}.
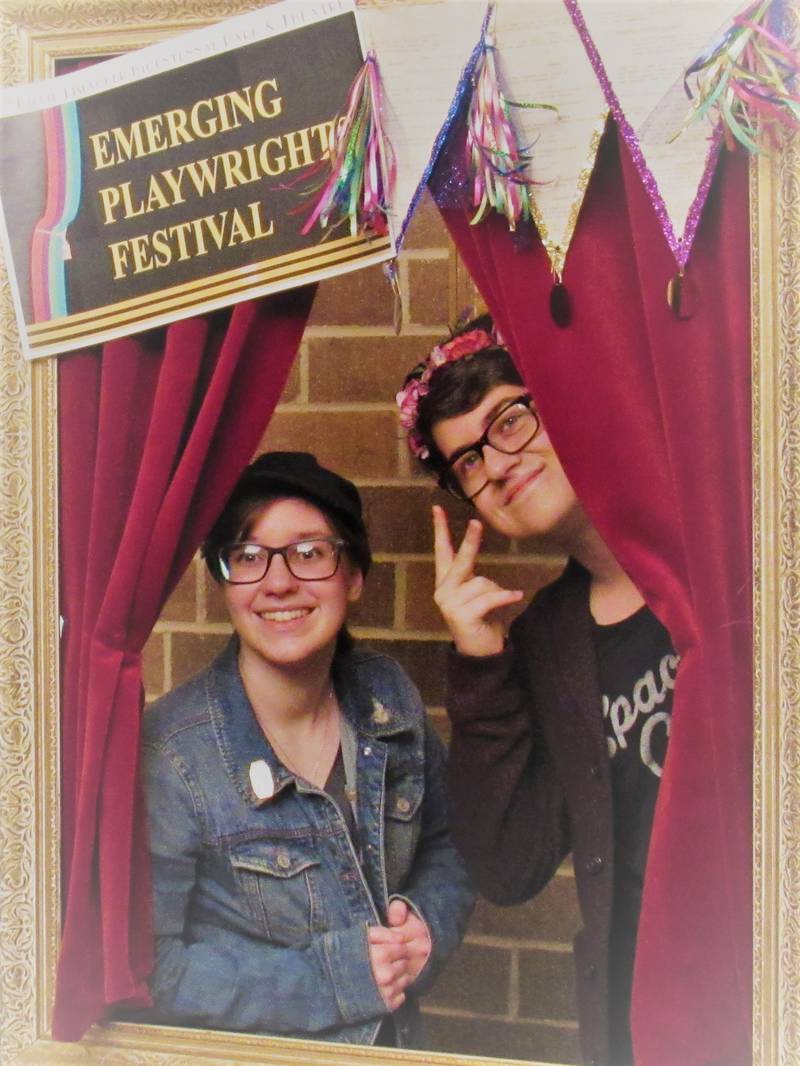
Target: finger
{"x": 463, "y": 564}
{"x": 396, "y": 987}
{"x": 397, "y": 912}
{"x": 381, "y": 934}
{"x": 481, "y": 599}
{"x": 473, "y": 613}
{"x": 388, "y": 973}
{"x": 388, "y": 953}
{"x": 395, "y": 1001}
{"x": 418, "y": 941}
{"x": 442, "y": 543}
{"x": 418, "y": 935}
{"x": 473, "y": 589}
{"x": 419, "y": 947}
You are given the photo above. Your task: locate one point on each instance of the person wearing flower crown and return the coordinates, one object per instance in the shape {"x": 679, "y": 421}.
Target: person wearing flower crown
{"x": 560, "y": 724}
{"x": 304, "y": 879}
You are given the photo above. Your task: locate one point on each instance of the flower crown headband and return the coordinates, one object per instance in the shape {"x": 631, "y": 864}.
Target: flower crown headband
{"x": 409, "y": 397}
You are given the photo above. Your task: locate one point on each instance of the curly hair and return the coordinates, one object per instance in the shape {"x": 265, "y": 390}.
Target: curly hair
{"x": 459, "y": 386}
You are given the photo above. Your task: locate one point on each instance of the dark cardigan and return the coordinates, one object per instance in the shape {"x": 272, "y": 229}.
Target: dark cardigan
{"x": 529, "y": 776}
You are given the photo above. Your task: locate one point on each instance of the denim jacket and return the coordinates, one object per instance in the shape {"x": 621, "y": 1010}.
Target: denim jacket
{"x": 261, "y": 906}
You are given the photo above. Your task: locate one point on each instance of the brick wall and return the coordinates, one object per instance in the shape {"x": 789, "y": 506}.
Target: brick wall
{"x": 509, "y": 990}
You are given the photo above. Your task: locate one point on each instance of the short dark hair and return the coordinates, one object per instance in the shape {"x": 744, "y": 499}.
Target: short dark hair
{"x": 292, "y": 474}
{"x": 459, "y": 386}
{"x": 235, "y": 521}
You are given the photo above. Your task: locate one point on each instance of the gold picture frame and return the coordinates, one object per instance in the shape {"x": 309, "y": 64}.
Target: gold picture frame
{"x": 34, "y": 35}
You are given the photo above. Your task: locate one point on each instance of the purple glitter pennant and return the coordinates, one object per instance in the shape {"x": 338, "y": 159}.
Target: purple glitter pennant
{"x": 679, "y": 246}
{"x": 464, "y": 84}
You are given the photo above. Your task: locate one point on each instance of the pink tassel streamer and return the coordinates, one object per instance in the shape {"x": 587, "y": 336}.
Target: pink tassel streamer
{"x": 362, "y": 163}
{"x": 493, "y": 156}
{"x": 748, "y": 80}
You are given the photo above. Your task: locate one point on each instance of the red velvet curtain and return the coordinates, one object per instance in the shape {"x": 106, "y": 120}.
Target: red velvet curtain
{"x": 154, "y": 429}
{"x": 651, "y": 418}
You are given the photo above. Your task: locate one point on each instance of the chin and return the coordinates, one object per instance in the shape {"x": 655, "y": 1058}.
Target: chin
{"x": 291, "y": 652}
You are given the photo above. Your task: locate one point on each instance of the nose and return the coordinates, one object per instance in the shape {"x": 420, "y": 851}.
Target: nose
{"x": 278, "y": 578}
{"x": 497, "y": 464}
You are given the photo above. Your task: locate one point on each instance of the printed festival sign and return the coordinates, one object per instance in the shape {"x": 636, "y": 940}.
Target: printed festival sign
{"x": 177, "y": 179}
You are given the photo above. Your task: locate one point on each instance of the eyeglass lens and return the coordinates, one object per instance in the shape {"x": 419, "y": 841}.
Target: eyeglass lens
{"x": 509, "y": 431}
{"x": 307, "y": 560}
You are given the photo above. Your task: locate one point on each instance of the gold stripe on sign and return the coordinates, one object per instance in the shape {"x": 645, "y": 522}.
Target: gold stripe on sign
{"x": 181, "y": 297}
{"x": 325, "y": 250}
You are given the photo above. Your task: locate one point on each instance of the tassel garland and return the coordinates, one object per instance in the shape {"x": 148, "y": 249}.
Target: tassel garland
{"x": 494, "y": 160}
{"x": 749, "y": 77}
{"x": 359, "y": 187}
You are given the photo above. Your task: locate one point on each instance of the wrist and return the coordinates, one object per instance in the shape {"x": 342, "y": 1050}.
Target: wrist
{"x": 482, "y": 649}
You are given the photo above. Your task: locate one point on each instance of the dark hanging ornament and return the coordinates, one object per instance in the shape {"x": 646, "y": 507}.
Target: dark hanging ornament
{"x": 682, "y": 295}
{"x": 560, "y": 305}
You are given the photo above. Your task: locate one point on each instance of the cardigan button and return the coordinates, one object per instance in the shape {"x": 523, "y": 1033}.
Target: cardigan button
{"x": 595, "y": 864}
{"x": 596, "y": 771}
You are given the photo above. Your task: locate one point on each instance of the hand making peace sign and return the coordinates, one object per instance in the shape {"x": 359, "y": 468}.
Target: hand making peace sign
{"x": 467, "y": 601}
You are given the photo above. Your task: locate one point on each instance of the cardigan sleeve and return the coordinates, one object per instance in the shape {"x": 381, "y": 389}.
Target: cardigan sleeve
{"x": 508, "y": 814}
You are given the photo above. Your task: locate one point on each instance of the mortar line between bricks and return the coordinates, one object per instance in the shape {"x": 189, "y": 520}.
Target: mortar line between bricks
{"x": 384, "y": 332}
{"x": 513, "y": 986}
{"x": 488, "y": 557}
{"x": 456, "y": 1012}
{"x": 487, "y": 940}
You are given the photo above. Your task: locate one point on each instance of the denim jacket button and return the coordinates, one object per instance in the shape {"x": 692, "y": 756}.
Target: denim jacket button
{"x": 367, "y": 751}
{"x": 283, "y": 860}
{"x": 403, "y": 805}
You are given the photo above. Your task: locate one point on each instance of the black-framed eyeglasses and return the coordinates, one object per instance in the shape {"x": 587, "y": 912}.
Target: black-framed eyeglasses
{"x": 311, "y": 559}
{"x": 512, "y": 428}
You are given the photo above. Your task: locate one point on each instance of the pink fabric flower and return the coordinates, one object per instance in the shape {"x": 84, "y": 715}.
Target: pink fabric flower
{"x": 408, "y": 398}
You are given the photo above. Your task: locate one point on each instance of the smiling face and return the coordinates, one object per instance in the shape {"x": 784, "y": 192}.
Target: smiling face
{"x": 281, "y": 620}
{"x": 528, "y": 493}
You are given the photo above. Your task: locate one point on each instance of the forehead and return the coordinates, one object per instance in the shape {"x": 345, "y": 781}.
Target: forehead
{"x": 286, "y": 517}
{"x": 453, "y": 433}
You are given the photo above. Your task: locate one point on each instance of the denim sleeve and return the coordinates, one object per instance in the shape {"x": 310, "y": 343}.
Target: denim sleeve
{"x": 438, "y": 889}
{"x": 239, "y": 982}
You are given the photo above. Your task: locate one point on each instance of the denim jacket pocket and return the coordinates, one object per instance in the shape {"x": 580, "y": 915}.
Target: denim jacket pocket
{"x": 280, "y": 881}
{"x": 403, "y": 826}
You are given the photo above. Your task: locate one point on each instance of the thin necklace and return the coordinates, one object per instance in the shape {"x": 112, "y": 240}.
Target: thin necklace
{"x": 331, "y": 702}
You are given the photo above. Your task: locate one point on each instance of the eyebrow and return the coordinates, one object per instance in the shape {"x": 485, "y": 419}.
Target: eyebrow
{"x": 498, "y": 407}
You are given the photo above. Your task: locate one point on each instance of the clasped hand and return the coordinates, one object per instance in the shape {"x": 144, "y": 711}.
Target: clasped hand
{"x": 397, "y": 952}
{"x": 468, "y": 602}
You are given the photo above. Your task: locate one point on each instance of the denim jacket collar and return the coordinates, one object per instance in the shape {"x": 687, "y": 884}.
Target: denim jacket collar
{"x": 242, "y": 742}
{"x": 240, "y": 738}
{"x": 367, "y": 713}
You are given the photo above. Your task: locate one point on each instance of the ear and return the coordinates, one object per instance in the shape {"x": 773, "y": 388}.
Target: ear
{"x": 355, "y": 585}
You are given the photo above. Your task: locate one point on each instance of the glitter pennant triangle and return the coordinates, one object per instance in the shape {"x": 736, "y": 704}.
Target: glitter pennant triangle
{"x": 639, "y": 54}
{"x": 422, "y": 52}
{"x": 542, "y": 61}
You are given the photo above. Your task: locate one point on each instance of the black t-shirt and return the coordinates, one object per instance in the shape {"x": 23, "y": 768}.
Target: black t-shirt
{"x": 637, "y": 666}
{"x": 336, "y": 787}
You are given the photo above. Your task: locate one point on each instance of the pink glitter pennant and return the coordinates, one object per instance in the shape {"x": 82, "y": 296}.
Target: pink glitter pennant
{"x": 679, "y": 246}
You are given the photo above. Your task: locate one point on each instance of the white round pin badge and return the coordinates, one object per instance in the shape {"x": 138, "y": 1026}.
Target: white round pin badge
{"x": 261, "y": 779}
